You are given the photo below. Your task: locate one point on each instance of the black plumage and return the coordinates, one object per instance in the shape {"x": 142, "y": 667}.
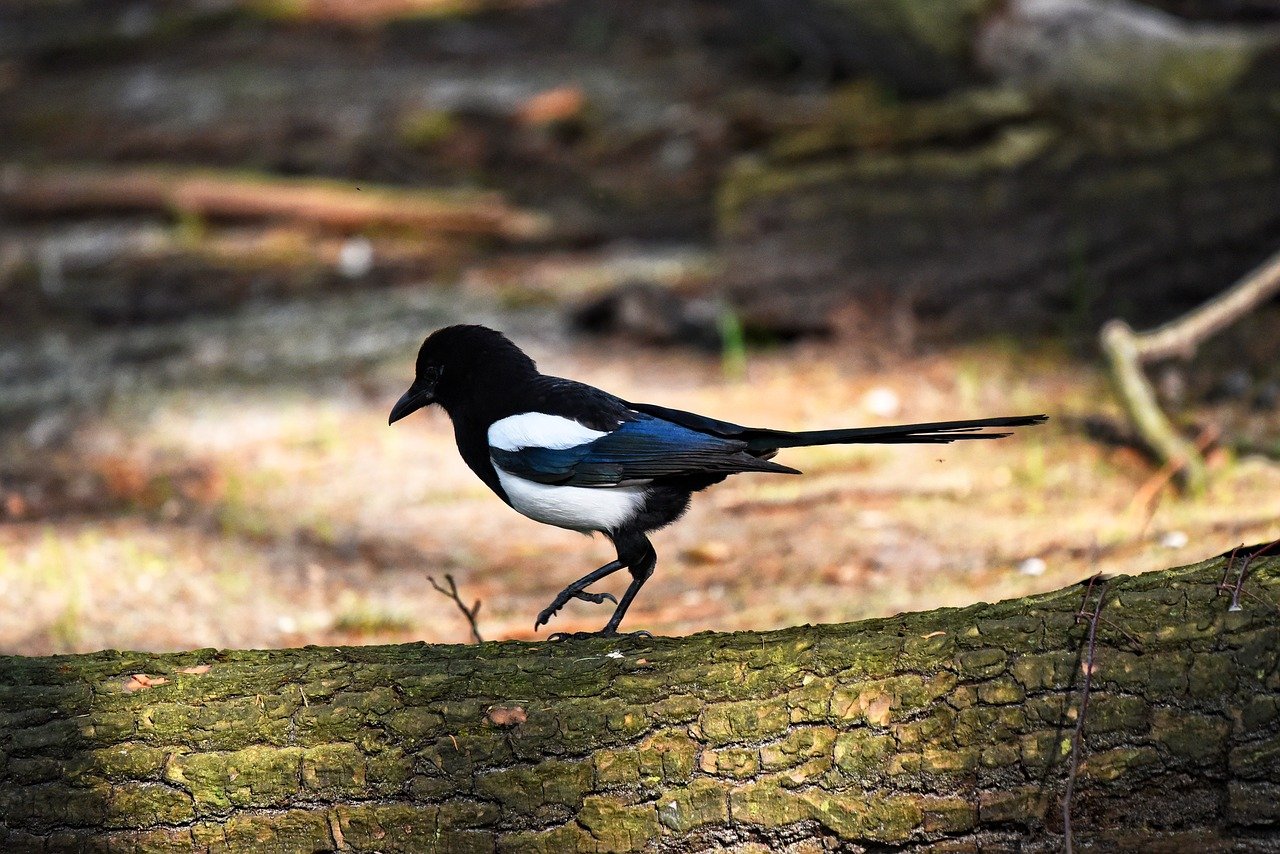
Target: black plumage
{"x": 572, "y": 455}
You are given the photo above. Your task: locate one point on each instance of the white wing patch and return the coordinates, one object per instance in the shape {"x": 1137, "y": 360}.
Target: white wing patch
{"x": 577, "y": 508}
{"x": 539, "y": 430}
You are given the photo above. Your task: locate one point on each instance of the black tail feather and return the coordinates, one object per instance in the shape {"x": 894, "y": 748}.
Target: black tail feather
{"x": 937, "y": 432}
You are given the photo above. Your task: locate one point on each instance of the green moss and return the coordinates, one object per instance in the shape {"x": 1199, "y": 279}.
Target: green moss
{"x": 681, "y": 708}
{"x": 859, "y": 816}
{"x": 565, "y": 839}
{"x": 860, "y": 753}
{"x": 1042, "y": 749}
{"x": 410, "y": 726}
{"x": 1001, "y": 692}
{"x": 402, "y": 827}
{"x": 1000, "y": 755}
{"x": 797, "y": 745}
{"x": 1113, "y": 764}
{"x": 746, "y": 721}
{"x": 619, "y": 767}
{"x": 388, "y": 771}
{"x": 292, "y": 831}
{"x": 333, "y": 770}
{"x": 981, "y": 663}
{"x": 126, "y": 761}
{"x": 1117, "y": 713}
{"x": 949, "y": 760}
{"x": 616, "y": 826}
{"x": 666, "y": 757}
{"x": 525, "y": 790}
{"x": 948, "y": 815}
{"x": 701, "y": 803}
{"x": 253, "y": 777}
{"x": 811, "y": 702}
{"x": 147, "y": 804}
{"x": 880, "y": 701}
{"x": 766, "y": 804}
{"x": 983, "y": 724}
{"x": 739, "y": 763}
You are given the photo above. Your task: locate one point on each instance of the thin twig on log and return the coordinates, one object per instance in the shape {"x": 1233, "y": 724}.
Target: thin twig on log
{"x": 1077, "y": 740}
{"x": 452, "y": 593}
{"x": 1237, "y": 588}
{"x": 1127, "y": 350}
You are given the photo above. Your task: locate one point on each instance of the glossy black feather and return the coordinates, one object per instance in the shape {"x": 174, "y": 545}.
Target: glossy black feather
{"x": 760, "y": 439}
{"x": 642, "y": 449}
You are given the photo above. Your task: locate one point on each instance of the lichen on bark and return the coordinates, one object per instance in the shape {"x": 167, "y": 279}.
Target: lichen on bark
{"x": 948, "y": 730}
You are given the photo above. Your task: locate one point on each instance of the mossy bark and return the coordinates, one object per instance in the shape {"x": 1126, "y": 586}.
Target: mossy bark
{"x": 947, "y": 730}
{"x": 999, "y": 212}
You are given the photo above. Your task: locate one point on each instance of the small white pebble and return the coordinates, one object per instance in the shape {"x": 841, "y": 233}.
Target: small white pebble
{"x": 882, "y": 402}
{"x": 1032, "y": 566}
{"x": 1174, "y": 539}
{"x": 614, "y": 654}
{"x": 355, "y": 259}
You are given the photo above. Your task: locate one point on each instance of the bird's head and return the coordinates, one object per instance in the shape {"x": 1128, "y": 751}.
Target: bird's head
{"x": 458, "y": 364}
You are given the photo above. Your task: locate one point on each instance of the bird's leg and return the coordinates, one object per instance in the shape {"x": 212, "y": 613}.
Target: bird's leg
{"x": 640, "y": 565}
{"x": 578, "y": 590}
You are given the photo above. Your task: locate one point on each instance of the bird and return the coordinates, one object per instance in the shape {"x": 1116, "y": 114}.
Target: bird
{"x": 568, "y": 454}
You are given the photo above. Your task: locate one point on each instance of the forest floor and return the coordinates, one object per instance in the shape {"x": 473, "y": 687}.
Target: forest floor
{"x": 234, "y": 514}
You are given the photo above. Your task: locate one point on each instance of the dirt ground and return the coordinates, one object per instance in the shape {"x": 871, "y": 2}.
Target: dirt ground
{"x": 225, "y": 515}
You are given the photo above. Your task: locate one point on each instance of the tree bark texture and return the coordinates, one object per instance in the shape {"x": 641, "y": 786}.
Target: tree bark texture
{"x": 1000, "y": 217}
{"x": 941, "y": 731}
{"x": 1118, "y": 160}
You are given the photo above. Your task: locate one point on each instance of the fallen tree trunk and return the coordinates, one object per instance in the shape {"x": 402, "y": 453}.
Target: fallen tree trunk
{"x": 950, "y": 730}
{"x": 1124, "y": 164}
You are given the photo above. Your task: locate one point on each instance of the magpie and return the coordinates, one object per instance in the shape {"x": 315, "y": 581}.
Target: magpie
{"x": 567, "y": 454}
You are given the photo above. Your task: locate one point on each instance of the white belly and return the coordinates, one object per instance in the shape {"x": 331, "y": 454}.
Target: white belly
{"x": 577, "y": 508}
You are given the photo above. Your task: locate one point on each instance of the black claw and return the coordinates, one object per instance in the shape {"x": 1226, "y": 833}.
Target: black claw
{"x": 596, "y": 598}
{"x": 603, "y": 633}
{"x": 562, "y": 598}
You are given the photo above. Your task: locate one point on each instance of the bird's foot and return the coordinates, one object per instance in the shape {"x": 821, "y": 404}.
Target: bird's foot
{"x": 603, "y": 633}
{"x": 563, "y": 597}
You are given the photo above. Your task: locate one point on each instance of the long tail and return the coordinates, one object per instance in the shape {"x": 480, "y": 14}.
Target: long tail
{"x": 938, "y": 432}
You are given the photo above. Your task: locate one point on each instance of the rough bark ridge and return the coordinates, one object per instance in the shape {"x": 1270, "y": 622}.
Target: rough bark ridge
{"x": 948, "y": 730}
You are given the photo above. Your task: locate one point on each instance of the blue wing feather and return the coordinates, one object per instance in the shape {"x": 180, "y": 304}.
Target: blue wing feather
{"x": 643, "y": 449}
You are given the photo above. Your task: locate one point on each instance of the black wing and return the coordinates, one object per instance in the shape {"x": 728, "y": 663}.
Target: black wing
{"x": 643, "y": 449}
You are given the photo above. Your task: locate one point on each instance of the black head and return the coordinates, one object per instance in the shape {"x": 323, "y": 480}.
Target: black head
{"x": 459, "y": 364}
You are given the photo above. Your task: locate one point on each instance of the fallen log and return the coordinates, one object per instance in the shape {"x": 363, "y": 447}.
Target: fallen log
{"x": 1120, "y": 166}
{"x": 948, "y": 730}
{"x": 327, "y": 204}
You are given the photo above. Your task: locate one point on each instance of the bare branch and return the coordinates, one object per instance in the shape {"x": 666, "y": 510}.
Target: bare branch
{"x": 1126, "y": 350}
{"x": 452, "y": 593}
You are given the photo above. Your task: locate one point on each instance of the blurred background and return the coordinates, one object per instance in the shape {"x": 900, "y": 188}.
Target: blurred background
{"x": 226, "y": 226}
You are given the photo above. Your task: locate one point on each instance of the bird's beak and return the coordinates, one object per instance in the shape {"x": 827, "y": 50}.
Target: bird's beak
{"x": 411, "y": 401}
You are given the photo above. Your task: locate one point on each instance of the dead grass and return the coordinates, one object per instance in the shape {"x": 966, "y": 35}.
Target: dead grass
{"x": 237, "y": 518}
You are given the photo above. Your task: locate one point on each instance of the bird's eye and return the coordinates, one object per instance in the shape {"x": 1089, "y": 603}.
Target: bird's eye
{"x": 431, "y": 373}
